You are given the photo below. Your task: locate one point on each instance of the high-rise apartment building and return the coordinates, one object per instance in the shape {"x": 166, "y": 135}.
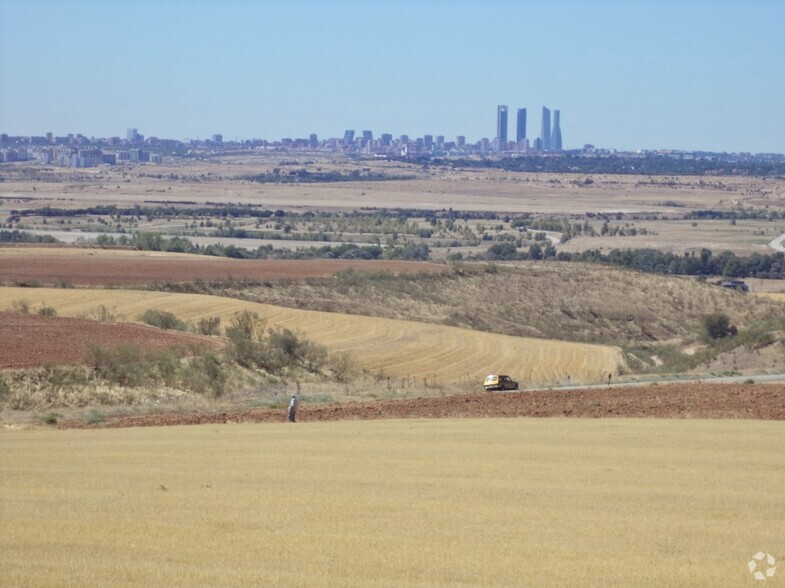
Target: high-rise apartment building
{"x": 501, "y": 127}
{"x": 545, "y": 129}
{"x": 132, "y": 135}
{"x": 520, "y": 133}
{"x": 556, "y": 134}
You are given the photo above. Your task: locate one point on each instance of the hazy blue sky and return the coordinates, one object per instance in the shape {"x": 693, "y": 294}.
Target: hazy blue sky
{"x": 682, "y": 74}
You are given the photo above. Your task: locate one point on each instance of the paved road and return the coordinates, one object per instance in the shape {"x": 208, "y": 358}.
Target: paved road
{"x": 765, "y": 378}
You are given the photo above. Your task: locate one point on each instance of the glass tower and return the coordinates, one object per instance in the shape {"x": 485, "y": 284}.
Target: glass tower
{"x": 545, "y": 131}
{"x": 501, "y": 126}
{"x": 556, "y": 134}
{"x": 520, "y": 134}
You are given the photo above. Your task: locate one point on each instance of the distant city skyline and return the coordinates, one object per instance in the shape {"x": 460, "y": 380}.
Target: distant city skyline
{"x": 658, "y": 74}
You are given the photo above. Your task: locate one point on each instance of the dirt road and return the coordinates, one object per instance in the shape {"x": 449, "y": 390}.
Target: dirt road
{"x": 686, "y": 401}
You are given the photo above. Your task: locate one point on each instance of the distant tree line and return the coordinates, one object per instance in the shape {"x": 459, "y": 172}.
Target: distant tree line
{"x": 16, "y": 236}
{"x": 739, "y": 214}
{"x": 214, "y": 209}
{"x": 222, "y": 211}
{"x": 157, "y": 242}
{"x": 706, "y": 263}
{"x": 614, "y": 164}
{"x": 304, "y": 176}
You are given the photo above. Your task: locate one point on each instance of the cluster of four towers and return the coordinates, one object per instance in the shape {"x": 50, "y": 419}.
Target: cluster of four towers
{"x": 550, "y": 135}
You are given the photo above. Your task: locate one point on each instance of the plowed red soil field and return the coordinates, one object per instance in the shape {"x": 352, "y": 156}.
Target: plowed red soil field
{"x": 688, "y": 401}
{"x": 28, "y": 340}
{"x": 97, "y": 267}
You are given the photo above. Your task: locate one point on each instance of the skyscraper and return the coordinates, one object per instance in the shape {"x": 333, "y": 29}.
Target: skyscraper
{"x": 556, "y": 135}
{"x": 501, "y": 127}
{"x": 545, "y": 130}
{"x": 520, "y": 134}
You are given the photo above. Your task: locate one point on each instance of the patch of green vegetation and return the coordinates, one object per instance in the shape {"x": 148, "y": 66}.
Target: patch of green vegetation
{"x": 210, "y": 326}
{"x": 49, "y": 418}
{"x": 5, "y": 389}
{"x": 21, "y": 306}
{"x": 162, "y": 319}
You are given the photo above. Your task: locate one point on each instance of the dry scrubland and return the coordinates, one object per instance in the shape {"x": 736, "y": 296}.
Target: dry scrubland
{"x": 395, "y": 348}
{"x": 495, "y": 502}
{"x": 220, "y": 180}
{"x": 567, "y": 301}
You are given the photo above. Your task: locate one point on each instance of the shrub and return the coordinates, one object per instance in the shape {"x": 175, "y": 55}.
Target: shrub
{"x": 47, "y": 311}
{"x": 129, "y": 365}
{"x": 59, "y": 376}
{"x": 717, "y": 326}
{"x": 22, "y": 306}
{"x": 49, "y": 418}
{"x": 273, "y": 351}
{"x": 246, "y": 339}
{"x": 209, "y": 326}
{"x": 103, "y": 313}
{"x": 205, "y": 374}
{"x": 286, "y": 349}
{"x": 342, "y": 366}
{"x": 5, "y": 390}
{"x": 162, "y": 319}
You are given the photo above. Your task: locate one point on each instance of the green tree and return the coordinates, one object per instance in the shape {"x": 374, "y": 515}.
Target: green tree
{"x": 717, "y": 326}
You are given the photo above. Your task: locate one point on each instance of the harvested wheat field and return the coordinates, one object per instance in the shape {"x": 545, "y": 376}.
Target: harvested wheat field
{"x": 30, "y": 341}
{"x": 123, "y": 267}
{"x": 393, "y": 347}
{"x": 471, "y": 502}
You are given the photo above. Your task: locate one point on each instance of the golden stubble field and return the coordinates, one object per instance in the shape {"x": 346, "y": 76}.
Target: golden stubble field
{"x": 492, "y": 502}
{"x": 395, "y": 348}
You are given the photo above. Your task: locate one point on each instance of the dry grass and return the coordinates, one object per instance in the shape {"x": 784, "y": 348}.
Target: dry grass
{"x": 775, "y": 296}
{"x": 397, "y": 503}
{"x": 392, "y": 347}
{"x": 567, "y": 301}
